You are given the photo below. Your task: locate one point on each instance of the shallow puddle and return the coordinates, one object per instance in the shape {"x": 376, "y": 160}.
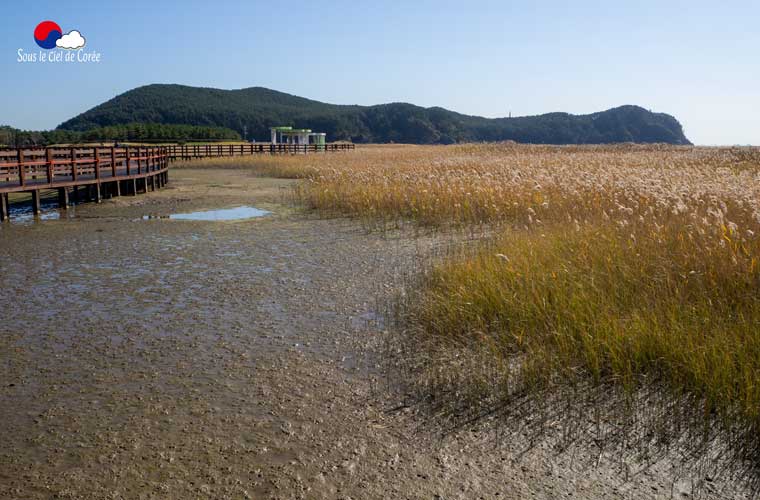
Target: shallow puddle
{"x": 25, "y": 215}
{"x": 237, "y": 213}
{"x": 28, "y": 216}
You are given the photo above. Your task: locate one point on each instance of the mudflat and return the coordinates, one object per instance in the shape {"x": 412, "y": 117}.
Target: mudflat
{"x": 142, "y": 357}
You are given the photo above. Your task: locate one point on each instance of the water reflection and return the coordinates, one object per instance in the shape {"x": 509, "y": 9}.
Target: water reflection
{"x": 223, "y": 214}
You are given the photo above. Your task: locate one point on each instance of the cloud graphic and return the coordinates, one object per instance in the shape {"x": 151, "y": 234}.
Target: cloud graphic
{"x": 71, "y": 40}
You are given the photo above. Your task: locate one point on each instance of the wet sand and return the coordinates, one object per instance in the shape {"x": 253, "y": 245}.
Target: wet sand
{"x": 203, "y": 359}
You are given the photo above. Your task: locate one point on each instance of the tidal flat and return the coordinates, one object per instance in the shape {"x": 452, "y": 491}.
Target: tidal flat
{"x": 152, "y": 358}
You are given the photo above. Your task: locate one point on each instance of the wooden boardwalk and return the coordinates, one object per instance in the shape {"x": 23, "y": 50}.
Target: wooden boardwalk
{"x": 195, "y": 151}
{"x": 90, "y": 172}
{"x": 95, "y": 172}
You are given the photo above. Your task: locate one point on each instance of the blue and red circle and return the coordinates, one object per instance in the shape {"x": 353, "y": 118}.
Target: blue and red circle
{"x": 46, "y": 34}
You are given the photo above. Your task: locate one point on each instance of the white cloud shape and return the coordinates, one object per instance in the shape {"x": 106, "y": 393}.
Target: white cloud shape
{"x": 71, "y": 40}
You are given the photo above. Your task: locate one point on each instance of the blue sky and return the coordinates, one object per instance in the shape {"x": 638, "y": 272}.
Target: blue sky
{"x": 697, "y": 60}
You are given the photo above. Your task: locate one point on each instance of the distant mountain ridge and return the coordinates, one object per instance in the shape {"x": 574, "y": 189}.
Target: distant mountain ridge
{"x": 254, "y": 110}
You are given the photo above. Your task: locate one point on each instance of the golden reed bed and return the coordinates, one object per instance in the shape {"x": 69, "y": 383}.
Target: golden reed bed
{"x": 615, "y": 266}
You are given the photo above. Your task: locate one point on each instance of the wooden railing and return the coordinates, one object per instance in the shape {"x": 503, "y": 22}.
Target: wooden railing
{"x": 193, "y": 151}
{"x": 27, "y": 169}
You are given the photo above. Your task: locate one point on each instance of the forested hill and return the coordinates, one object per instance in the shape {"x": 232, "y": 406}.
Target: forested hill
{"x": 254, "y": 110}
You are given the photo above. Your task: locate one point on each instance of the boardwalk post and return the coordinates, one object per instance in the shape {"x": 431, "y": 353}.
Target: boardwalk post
{"x": 162, "y": 153}
{"x": 74, "y": 167}
{"x": 113, "y": 161}
{"x": 151, "y": 166}
{"x": 4, "y": 208}
{"x": 36, "y": 202}
{"x": 20, "y": 161}
{"x": 49, "y": 162}
{"x": 96, "y": 155}
{"x": 63, "y": 198}
{"x": 126, "y": 153}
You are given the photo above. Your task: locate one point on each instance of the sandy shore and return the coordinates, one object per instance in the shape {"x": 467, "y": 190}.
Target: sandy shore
{"x": 179, "y": 359}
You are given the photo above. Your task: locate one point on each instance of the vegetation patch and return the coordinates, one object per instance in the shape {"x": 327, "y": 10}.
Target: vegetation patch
{"x": 625, "y": 279}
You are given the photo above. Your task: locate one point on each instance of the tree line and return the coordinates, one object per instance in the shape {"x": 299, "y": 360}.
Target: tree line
{"x": 130, "y": 132}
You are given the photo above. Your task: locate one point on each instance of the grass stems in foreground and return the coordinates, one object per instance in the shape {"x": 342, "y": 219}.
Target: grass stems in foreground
{"x": 607, "y": 305}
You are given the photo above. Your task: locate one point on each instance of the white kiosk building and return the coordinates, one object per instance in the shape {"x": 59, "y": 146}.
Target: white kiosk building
{"x": 300, "y": 136}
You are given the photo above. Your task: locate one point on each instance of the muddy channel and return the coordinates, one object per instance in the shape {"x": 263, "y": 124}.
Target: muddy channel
{"x": 148, "y": 357}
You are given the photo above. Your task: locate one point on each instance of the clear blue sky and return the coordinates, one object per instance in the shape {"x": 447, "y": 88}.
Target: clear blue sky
{"x": 698, "y": 60}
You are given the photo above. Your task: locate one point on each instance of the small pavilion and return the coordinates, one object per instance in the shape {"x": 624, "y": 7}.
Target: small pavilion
{"x": 301, "y": 136}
